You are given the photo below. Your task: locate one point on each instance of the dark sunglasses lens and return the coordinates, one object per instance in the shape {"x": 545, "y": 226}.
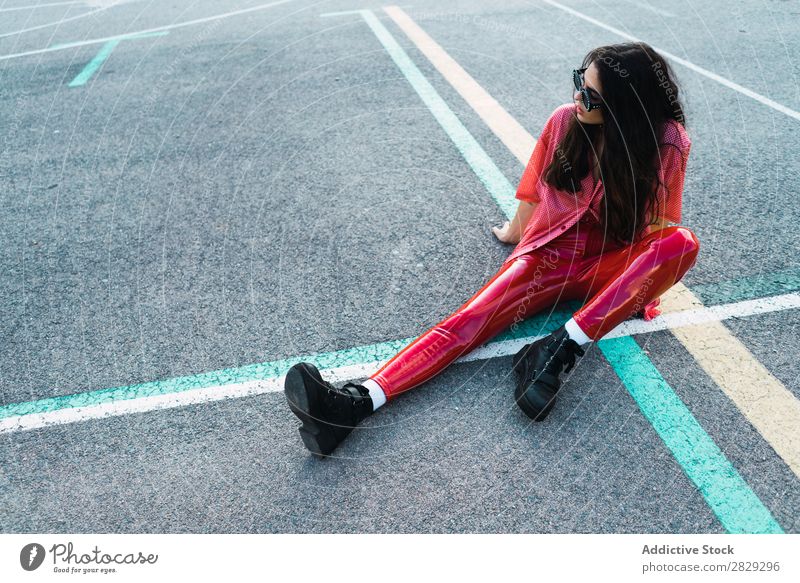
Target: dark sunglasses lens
{"x": 587, "y": 103}
{"x": 577, "y": 79}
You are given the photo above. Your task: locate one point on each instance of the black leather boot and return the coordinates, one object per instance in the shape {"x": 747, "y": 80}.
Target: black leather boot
{"x": 328, "y": 414}
{"x": 537, "y": 366}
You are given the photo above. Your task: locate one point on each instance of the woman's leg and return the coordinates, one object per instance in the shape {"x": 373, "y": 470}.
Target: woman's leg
{"x": 623, "y": 281}
{"x": 520, "y": 288}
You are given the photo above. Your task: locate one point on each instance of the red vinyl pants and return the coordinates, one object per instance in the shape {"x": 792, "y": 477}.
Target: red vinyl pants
{"x": 618, "y": 283}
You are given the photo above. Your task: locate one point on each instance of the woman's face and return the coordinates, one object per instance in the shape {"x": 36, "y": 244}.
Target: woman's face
{"x": 591, "y": 81}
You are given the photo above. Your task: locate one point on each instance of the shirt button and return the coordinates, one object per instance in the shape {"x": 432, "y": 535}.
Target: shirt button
{"x": 563, "y": 227}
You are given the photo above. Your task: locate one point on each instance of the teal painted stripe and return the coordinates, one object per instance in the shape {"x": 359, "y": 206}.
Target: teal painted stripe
{"x": 101, "y": 56}
{"x": 252, "y": 372}
{"x": 541, "y": 324}
{"x": 94, "y": 64}
{"x": 495, "y": 181}
{"x": 735, "y": 504}
{"x": 749, "y": 288}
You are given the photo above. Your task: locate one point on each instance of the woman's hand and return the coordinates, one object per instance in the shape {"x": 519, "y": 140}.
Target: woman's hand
{"x": 511, "y": 231}
{"x": 506, "y": 233}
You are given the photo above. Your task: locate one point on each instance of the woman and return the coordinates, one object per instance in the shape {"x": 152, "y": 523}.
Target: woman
{"x": 603, "y": 182}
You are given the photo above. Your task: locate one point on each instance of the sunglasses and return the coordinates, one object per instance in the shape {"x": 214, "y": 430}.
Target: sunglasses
{"x": 577, "y": 79}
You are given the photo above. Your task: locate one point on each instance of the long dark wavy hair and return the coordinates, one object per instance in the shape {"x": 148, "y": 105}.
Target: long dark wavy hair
{"x": 638, "y": 94}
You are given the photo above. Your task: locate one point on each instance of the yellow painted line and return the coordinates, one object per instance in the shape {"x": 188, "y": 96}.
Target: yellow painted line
{"x": 764, "y": 401}
{"x": 515, "y": 137}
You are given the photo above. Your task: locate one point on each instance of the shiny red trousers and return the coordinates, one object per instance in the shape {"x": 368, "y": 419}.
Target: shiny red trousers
{"x": 618, "y": 283}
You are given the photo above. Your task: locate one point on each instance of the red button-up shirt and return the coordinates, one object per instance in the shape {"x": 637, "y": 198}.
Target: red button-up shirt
{"x": 558, "y": 210}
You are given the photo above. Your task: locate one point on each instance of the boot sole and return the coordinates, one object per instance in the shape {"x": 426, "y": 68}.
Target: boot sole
{"x": 520, "y": 396}
{"x": 529, "y": 410}
{"x": 304, "y": 403}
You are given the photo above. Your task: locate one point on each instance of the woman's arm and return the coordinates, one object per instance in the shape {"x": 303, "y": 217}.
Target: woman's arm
{"x": 511, "y": 231}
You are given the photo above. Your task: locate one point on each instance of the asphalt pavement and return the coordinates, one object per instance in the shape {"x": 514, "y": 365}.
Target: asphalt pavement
{"x": 240, "y": 183}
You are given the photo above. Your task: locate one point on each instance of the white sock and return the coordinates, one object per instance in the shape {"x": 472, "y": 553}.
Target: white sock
{"x": 575, "y": 332}
{"x": 375, "y": 392}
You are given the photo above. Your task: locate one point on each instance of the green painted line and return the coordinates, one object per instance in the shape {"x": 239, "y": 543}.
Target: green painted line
{"x": 541, "y": 324}
{"x": 731, "y": 499}
{"x": 103, "y": 54}
{"x": 252, "y": 372}
{"x": 748, "y": 288}
{"x": 94, "y": 64}
{"x": 495, "y": 181}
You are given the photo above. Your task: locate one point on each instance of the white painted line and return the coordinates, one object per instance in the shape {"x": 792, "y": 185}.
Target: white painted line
{"x": 704, "y": 316}
{"x": 688, "y": 64}
{"x": 139, "y": 405}
{"x": 768, "y": 405}
{"x": 57, "y": 23}
{"x": 504, "y": 126}
{"x": 356, "y": 12}
{"x": 104, "y": 39}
